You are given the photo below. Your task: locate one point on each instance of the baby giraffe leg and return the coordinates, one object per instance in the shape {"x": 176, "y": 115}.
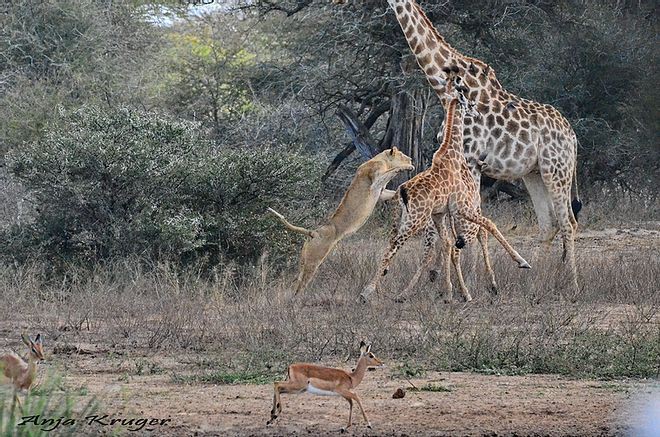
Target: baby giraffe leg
{"x": 482, "y": 235}
{"x": 456, "y": 261}
{"x": 471, "y": 215}
{"x": 407, "y": 229}
{"x": 444, "y": 255}
{"x": 430, "y": 238}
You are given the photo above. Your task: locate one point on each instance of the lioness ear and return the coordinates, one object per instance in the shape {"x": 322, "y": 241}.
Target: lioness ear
{"x": 26, "y": 339}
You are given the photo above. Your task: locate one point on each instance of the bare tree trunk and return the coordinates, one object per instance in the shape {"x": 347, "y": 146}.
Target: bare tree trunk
{"x": 405, "y": 127}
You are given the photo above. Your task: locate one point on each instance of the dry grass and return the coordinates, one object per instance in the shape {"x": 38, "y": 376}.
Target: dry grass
{"x": 251, "y": 324}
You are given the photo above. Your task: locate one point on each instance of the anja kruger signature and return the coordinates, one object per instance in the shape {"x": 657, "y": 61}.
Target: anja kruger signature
{"x": 131, "y": 424}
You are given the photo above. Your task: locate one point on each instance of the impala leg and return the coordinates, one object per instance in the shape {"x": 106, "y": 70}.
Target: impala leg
{"x": 283, "y": 387}
{"x": 350, "y": 414}
{"x": 350, "y": 397}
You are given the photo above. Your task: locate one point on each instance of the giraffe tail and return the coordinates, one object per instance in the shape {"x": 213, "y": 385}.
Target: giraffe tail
{"x": 576, "y": 203}
{"x": 404, "y": 196}
{"x": 298, "y": 229}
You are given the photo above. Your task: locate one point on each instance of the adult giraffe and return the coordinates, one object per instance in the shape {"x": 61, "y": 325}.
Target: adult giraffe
{"x": 513, "y": 137}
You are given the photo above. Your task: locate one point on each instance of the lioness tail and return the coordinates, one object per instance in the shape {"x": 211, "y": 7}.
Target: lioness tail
{"x": 298, "y": 229}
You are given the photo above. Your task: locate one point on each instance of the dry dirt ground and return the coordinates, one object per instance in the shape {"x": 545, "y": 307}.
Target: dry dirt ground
{"x": 470, "y": 404}
{"x": 464, "y": 403}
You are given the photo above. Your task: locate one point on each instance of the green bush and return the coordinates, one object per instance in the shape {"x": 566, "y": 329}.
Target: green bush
{"x": 120, "y": 183}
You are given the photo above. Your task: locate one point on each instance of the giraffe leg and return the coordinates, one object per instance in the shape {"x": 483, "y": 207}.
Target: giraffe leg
{"x": 436, "y": 270}
{"x": 543, "y": 207}
{"x": 470, "y": 214}
{"x": 567, "y": 228}
{"x": 456, "y": 261}
{"x": 444, "y": 255}
{"x": 406, "y": 230}
{"x": 482, "y": 236}
{"x": 430, "y": 239}
{"x": 414, "y": 217}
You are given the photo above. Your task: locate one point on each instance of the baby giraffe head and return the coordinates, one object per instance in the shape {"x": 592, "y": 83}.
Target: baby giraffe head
{"x": 456, "y": 89}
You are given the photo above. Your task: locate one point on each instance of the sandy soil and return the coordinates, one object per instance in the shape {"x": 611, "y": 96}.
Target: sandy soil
{"x": 470, "y": 404}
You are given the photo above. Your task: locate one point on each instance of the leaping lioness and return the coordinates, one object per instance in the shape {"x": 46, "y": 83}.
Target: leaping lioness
{"x": 359, "y": 201}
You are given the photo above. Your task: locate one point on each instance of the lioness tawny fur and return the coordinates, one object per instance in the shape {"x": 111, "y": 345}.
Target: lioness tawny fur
{"x": 359, "y": 201}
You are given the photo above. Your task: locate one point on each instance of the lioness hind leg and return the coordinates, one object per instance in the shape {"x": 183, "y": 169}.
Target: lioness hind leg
{"x": 312, "y": 256}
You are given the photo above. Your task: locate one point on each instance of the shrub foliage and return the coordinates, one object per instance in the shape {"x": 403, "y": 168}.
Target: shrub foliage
{"x": 114, "y": 183}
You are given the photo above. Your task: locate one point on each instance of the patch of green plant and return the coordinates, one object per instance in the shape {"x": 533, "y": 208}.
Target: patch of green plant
{"x": 143, "y": 366}
{"x": 437, "y": 388}
{"x": 408, "y": 369}
{"x": 43, "y": 411}
{"x": 588, "y": 353}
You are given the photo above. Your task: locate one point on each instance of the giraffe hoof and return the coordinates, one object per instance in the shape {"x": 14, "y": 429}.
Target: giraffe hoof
{"x": 493, "y": 290}
{"x": 460, "y": 242}
{"x": 342, "y": 430}
{"x": 524, "y": 265}
{"x": 369, "y": 425}
{"x": 433, "y": 275}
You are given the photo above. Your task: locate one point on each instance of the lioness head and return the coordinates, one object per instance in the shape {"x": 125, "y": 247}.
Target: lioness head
{"x": 395, "y": 159}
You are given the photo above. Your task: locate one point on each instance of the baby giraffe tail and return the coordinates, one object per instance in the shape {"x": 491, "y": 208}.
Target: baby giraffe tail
{"x": 298, "y": 229}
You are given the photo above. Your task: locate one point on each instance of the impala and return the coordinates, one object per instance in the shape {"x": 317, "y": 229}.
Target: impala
{"x": 327, "y": 381}
{"x": 17, "y": 371}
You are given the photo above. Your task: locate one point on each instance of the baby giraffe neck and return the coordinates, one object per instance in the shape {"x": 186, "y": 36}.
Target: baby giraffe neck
{"x": 447, "y": 135}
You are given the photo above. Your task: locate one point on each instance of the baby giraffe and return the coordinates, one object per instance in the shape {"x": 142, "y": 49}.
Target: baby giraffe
{"x": 328, "y": 381}
{"x": 17, "y": 371}
{"x": 444, "y": 188}
{"x": 449, "y": 251}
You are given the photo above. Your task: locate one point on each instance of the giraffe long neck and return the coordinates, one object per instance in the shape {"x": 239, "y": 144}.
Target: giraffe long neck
{"x": 430, "y": 48}
{"x": 453, "y": 127}
{"x": 434, "y": 54}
